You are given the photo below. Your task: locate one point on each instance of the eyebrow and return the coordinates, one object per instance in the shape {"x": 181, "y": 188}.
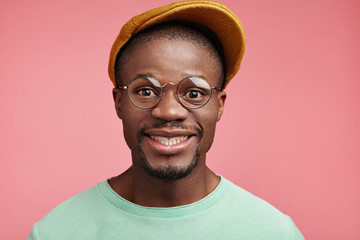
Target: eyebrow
{"x": 149, "y": 76}
{"x": 144, "y": 75}
{"x": 201, "y": 77}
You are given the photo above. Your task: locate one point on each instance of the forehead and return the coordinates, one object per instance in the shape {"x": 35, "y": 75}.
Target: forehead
{"x": 170, "y": 60}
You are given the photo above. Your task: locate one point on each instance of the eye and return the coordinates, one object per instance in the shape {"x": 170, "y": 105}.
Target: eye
{"x": 193, "y": 94}
{"x": 145, "y": 92}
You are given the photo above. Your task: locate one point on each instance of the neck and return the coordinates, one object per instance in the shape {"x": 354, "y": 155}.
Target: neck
{"x": 138, "y": 187}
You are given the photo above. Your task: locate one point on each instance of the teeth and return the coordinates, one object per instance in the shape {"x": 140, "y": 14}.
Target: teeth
{"x": 169, "y": 141}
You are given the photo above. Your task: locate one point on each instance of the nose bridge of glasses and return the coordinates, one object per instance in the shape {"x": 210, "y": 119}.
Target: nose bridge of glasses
{"x": 168, "y": 84}
{"x": 163, "y": 92}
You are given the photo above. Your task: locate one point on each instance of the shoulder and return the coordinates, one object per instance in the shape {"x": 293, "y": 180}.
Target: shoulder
{"x": 72, "y": 212}
{"x": 77, "y": 203}
{"x": 243, "y": 199}
{"x": 257, "y": 214}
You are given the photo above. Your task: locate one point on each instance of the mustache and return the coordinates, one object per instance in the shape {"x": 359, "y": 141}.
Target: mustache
{"x": 199, "y": 131}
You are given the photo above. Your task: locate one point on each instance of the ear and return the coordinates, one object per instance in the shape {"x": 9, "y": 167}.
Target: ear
{"x": 221, "y": 100}
{"x": 117, "y": 94}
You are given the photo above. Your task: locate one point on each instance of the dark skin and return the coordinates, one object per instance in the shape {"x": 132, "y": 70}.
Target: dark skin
{"x": 168, "y": 61}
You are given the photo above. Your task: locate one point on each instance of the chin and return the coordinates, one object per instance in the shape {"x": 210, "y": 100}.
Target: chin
{"x": 169, "y": 171}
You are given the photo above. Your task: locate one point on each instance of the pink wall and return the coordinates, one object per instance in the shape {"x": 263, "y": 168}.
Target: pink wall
{"x": 290, "y": 133}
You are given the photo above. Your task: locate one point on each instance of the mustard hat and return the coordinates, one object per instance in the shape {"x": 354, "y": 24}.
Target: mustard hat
{"x": 214, "y": 15}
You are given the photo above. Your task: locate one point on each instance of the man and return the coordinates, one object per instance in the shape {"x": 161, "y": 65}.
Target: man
{"x": 169, "y": 67}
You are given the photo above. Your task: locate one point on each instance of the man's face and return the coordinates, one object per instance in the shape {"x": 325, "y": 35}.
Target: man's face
{"x": 168, "y": 141}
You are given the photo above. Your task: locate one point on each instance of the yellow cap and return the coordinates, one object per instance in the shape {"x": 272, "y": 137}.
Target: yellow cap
{"x": 214, "y": 15}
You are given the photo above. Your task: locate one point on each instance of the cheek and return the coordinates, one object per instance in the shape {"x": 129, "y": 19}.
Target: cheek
{"x": 209, "y": 128}
{"x": 207, "y": 120}
{"x": 132, "y": 122}
{"x": 129, "y": 132}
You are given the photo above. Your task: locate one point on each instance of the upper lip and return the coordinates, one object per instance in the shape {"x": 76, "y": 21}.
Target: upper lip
{"x": 170, "y": 132}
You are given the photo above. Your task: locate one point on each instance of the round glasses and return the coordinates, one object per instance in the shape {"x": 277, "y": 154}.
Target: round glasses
{"x": 146, "y": 92}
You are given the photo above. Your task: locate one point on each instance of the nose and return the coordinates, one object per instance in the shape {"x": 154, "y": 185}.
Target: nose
{"x": 169, "y": 108}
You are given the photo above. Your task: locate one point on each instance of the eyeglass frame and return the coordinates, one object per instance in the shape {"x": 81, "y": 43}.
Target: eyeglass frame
{"x": 126, "y": 87}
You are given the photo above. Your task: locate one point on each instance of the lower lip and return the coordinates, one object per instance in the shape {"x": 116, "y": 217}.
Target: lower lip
{"x": 169, "y": 149}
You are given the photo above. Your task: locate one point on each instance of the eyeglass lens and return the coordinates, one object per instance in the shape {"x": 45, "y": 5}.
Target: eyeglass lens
{"x": 192, "y": 92}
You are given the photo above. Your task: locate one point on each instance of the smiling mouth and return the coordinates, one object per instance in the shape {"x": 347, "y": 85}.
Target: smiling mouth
{"x": 169, "y": 141}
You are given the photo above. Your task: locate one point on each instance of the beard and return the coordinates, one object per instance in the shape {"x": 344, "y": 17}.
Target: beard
{"x": 169, "y": 172}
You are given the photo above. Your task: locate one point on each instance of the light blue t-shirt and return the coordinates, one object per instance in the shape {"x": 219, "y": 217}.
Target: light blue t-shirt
{"x": 229, "y": 212}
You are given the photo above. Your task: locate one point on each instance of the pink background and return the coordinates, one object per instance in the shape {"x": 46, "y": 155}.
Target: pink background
{"x": 290, "y": 133}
